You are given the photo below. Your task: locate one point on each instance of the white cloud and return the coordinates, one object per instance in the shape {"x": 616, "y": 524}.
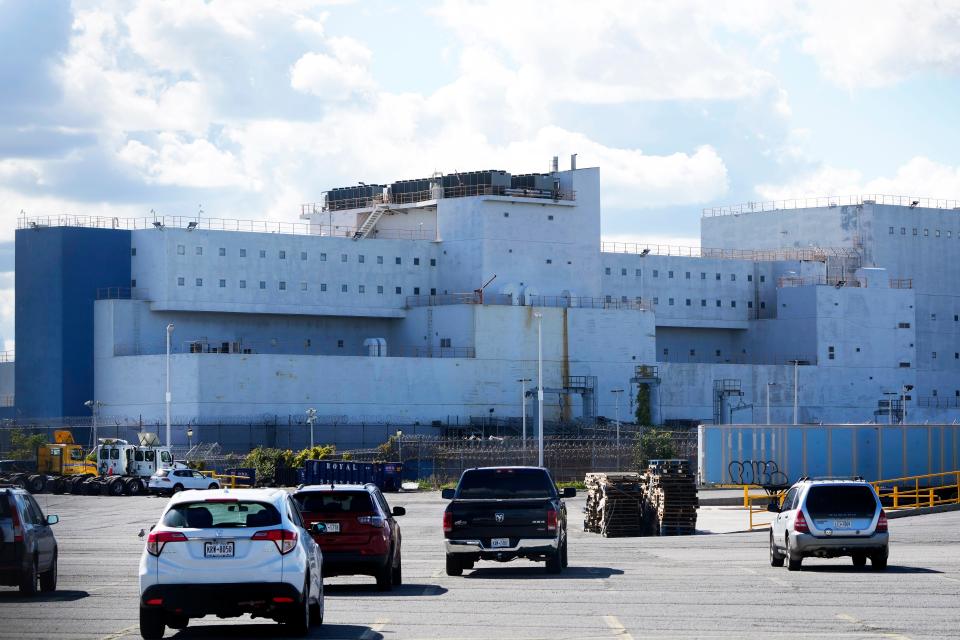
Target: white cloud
{"x": 873, "y": 43}
{"x": 194, "y": 163}
{"x": 919, "y": 176}
{"x": 329, "y": 77}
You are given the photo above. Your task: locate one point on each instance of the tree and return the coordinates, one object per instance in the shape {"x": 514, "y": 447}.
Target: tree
{"x": 654, "y": 443}
{"x": 23, "y": 446}
{"x": 643, "y": 405}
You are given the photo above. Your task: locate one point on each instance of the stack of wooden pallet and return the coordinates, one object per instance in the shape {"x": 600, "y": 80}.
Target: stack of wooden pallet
{"x": 671, "y": 498}
{"x": 614, "y": 504}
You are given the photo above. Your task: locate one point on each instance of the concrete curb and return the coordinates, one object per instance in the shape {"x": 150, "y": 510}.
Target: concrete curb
{"x": 922, "y": 511}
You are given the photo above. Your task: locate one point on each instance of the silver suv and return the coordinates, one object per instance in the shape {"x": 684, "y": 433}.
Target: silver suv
{"x": 828, "y": 518}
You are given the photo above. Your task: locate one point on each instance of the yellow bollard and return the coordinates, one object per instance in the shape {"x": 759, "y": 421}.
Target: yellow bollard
{"x": 896, "y": 496}
{"x": 931, "y": 496}
{"x": 746, "y": 497}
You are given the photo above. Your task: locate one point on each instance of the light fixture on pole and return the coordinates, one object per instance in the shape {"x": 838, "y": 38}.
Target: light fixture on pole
{"x": 189, "y": 438}
{"x": 523, "y": 410}
{"x": 311, "y": 418}
{"x": 94, "y": 406}
{"x": 168, "y": 397}
{"x": 399, "y": 446}
{"x": 769, "y": 384}
{"x": 903, "y": 403}
{"x": 539, "y": 317}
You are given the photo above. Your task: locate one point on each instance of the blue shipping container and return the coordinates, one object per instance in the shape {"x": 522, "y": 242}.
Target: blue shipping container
{"x": 776, "y": 454}
{"x": 386, "y": 475}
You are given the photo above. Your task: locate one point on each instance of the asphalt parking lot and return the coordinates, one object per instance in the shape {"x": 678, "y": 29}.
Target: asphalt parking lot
{"x": 705, "y": 586}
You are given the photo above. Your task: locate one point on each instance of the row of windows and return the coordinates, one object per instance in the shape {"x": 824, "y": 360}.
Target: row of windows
{"x": 689, "y": 302}
{"x": 703, "y": 274}
{"x": 282, "y": 255}
{"x": 926, "y": 232}
{"x": 282, "y": 286}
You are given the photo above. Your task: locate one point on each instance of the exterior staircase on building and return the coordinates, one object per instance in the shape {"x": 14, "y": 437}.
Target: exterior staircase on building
{"x": 372, "y": 219}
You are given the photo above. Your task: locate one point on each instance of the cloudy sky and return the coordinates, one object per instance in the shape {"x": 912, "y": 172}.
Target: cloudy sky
{"x": 251, "y": 108}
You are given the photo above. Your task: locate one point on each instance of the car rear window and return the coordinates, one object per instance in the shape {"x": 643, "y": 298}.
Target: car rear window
{"x": 206, "y": 514}
{"x": 334, "y": 502}
{"x": 838, "y": 500}
{"x": 505, "y": 484}
{"x": 4, "y": 505}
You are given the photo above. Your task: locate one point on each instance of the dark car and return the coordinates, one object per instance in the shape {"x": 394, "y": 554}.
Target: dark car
{"x": 28, "y": 549}
{"x": 360, "y": 535}
{"x": 503, "y": 513}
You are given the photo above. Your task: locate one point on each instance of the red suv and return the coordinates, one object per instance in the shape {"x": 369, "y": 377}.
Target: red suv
{"x": 360, "y": 535}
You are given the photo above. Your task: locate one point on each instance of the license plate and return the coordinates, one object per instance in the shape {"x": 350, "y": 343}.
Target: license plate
{"x": 218, "y": 549}
{"x": 332, "y": 527}
{"x": 841, "y": 524}
{"x": 499, "y": 543}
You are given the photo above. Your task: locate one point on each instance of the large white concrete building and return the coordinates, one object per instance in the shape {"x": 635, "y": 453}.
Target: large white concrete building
{"x": 367, "y": 310}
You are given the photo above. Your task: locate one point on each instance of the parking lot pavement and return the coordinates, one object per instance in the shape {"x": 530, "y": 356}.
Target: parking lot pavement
{"x": 705, "y": 586}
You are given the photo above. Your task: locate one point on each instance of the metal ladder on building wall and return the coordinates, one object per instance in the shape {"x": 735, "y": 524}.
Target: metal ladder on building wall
{"x": 364, "y": 229}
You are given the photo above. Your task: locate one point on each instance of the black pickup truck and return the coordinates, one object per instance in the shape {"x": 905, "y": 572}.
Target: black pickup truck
{"x": 502, "y": 513}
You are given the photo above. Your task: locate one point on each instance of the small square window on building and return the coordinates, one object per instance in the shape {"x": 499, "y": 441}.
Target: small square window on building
{"x": 718, "y": 303}
{"x": 343, "y": 257}
{"x": 180, "y": 281}
{"x": 379, "y": 288}
{"x": 903, "y": 325}
{"x": 733, "y": 277}
{"x": 749, "y": 277}
{"x": 549, "y": 261}
{"x": 223, "y": 251}
{"x": 263, "y": 253}
{"x": 181, "y": 249}
{"x": 416, "y": 291}
{"x": 656, "y": 300}
{"x": 656, "y": 273}
{"x": 445, "y": 343}
{"x": 903, "y": 231}
{"x": 133, "y": 251}
{"x": 637, "y": 272}
{"x": 303, "y": 286}
{"x": 624, "y": 299}
{"x": 763, "y": 278}
{"x": 199, "y": 251}
{"x": 133, "y": 284}
{"x": 243, "y": 253}
{"x": 926, "y": 232}
{"x": 323, "y": 257}
{"x": 688, "y": 302}
{"x": 717, "y": 352}
{"x": 733, "y": 304}
{"x": 398, "y": 290}
{"x": 608, "y": 299}
{"x": 399, "y": 261}
{"x": 243, "y": 284}
{"x": 703, "y": 275}
{"x": 933, "y": 355}
{"x": 263, "y": 284}
{"x": 904, "y": 365}
{"x": 749, "y": 304}
{"x": 687, "y": 275}
{"x": 283, "y": 285}
{"x": 416, "y": 262}
{"x": 379, "y": 259}
{"x": 670, "y": 301}
{"x": 693, "y": 352}
{"x": 666, "y": 351}
{"x": 506, "y": 214}
{"x": 549, "y": 217}
{"x": 703, "y": 302}
{"x": 433, "y": 262}
{"x": 670, "y": 274}
{"x": 433, "y": 291}
{"x": 344, "y": 288}
{"x": 623, "y": 272}
{"x": 303, "y": 255}
{"x": 891, "y": 230}
{"x": 323, "y": 286}
{"x": 361, "y": 259}
{"x": 763, "y": 305}
{"x": 830, "y": 353}
{"x": 937, "y": 233}
{"x": 199, "y": 282}
{"x": 718, "y": 277}
{"x": 339, "y": 344}
{"x": 606, "y": 271}
{"x": 283, "y": 254}
{"x": 361, "y": 288}
{"x": 223, "y": 283}
{"x": 914, "y": 231}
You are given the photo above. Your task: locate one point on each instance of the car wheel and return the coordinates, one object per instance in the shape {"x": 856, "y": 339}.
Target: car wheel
{"x": 152, "y": 623}
{"x": 385, "y": 577}
{"x": 177, "y": 488}
{"x": 48, "y": 579}
{"x": 398, "y": 573}
{"x": 28, "y": 581}
{"x": 297, "y": 622}
{"x": 859, "y": 559}
{"x": 879, "y": 560}
{"x": 454, "y": 568}
{"x": 316, "y": 614}
{"x": 776, "y": 558}
{"x": 793, "y": 560}
{"x": 213, "y": 485}
{"x": 177, "y": 622}
{"x": 555, "y": 562}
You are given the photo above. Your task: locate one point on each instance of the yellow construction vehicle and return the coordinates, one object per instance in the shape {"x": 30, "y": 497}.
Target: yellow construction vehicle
{"x": 64, "y": 457}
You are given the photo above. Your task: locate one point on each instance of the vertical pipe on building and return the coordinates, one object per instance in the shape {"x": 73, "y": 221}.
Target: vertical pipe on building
{"x": 167, "y": 397}
{"x": 796, "y": 364}
{"x": 539, "y": 317}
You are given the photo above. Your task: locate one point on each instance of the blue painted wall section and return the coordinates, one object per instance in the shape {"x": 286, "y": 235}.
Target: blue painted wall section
{"x": 58, "y": 272}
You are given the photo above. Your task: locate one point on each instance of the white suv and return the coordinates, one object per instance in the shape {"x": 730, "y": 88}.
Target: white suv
{"x": 229, "y": 552}
{"x": 176, "y": 480}
{"x": 829, "y": 518}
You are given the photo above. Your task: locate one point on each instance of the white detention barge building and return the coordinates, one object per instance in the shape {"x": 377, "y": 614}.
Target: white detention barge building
{"x": 368, "y": 310}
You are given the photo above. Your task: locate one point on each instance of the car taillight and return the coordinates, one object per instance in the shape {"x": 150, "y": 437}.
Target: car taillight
{"x": 552, "y": 520}
{"x": 882, "y": 522}
{"x": 447, "y": 522}
{"x": 373, "y": 521}
{"x": 17, "y": 527}
{"x": 285, "y": 539}
{"x": 158, "y": 539}
{"x": 800, "y": 523}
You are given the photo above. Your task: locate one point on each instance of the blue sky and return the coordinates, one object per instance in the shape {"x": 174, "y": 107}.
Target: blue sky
{"x": 250, "y": 108}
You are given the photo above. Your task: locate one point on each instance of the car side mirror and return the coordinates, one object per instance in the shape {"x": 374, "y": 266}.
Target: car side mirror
{"x": 53, "y": 519}
{"x": 318, "y": 528}
{"x": 773, "y": 507}
{"x": 399, "y": 511}
{"x": 569, "y": 492}
{"x": 448, "y": 494}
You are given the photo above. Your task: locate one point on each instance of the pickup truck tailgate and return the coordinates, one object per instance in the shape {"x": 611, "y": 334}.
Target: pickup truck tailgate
{"x": 501, "y": 518}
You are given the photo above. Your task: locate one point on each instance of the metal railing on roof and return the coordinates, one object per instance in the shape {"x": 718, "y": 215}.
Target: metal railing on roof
{"x": 7, "y": 356}
{"x": 835, "y": 281}
{"x": 830, "y": 201}
{"x": 123, "y": 293}
{"x": 819, "y": 254}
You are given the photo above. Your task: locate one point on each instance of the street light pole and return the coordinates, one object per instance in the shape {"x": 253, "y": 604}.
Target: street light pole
{"x": 903, "y": 402}
{"x": 539, "y": 317}
{"x": 796, "y": 368}
{"x": 523, "y": 411}
{"x": 616, "y": 394}
{"x": 311, "y": 418}
{"x": 94, "y": 410}
{"x": 168, "y": 397}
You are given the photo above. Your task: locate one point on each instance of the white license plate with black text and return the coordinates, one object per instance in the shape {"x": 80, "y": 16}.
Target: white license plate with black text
{"x": 499, "y": 543}
{"x": 841, "y": 524}
{"x": 332, "y": 527}
{"x": 218, "y": 549}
